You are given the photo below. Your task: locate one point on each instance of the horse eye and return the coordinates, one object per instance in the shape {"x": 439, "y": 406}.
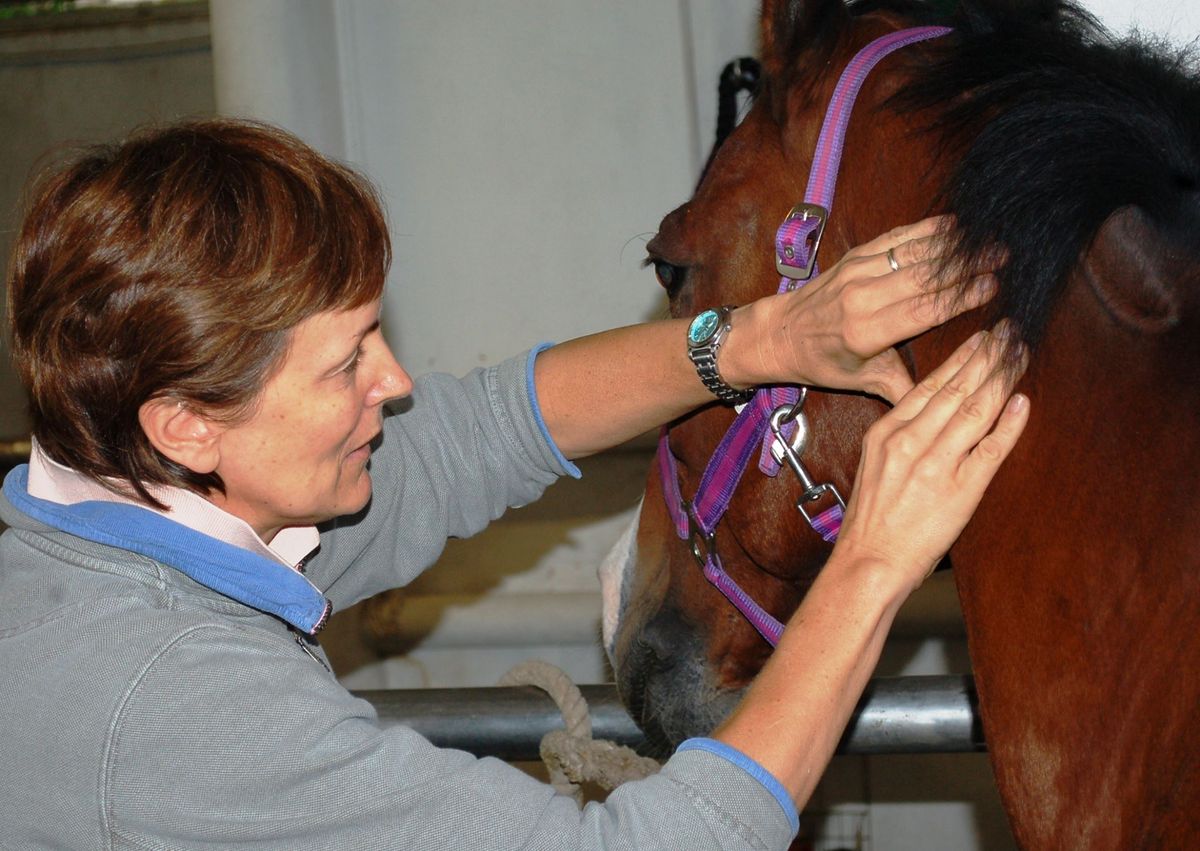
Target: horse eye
{"x": 669, "y": 275}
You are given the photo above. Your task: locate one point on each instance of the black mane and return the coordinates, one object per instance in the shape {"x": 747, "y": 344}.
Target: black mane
{"x": 1057, "y": 125}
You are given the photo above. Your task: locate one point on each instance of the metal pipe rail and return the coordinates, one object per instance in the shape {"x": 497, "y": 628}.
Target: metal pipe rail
{"x": 896, "y": 715}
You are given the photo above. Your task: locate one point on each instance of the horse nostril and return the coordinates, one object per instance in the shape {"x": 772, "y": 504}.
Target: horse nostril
{"x": 664, "y": 636}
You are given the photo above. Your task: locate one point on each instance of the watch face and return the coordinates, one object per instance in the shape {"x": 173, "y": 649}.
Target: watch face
{"x": 703, "y": 327}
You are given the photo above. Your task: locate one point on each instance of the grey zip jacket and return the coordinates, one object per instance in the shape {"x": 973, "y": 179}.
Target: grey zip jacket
{"x": 161, "y": 690}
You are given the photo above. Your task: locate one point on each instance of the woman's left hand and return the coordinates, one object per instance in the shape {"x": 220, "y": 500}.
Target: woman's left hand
{"x": 838, "y": 331}
{"x": 926, "y": 463}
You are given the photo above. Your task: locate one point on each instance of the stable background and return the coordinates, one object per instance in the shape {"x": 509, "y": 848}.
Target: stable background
{"x": 526, "y": 150}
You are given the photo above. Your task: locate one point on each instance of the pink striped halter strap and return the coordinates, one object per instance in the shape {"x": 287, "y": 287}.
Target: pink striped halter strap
{"x": 773, "y": 420}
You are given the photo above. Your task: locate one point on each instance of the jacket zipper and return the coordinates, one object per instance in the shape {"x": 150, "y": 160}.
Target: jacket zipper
{"x": 303, "y": 642}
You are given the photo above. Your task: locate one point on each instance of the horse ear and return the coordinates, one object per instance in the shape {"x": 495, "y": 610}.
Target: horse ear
{"x": 789, "y": 24}
{"x": 1135, "y": 272}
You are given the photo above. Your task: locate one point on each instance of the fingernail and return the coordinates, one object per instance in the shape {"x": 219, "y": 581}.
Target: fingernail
{"x": 975, "y": 339}
{"x": 1017, "y": 403}
{"x": 985, "y": 287}
{"x": 1005, "y": 331}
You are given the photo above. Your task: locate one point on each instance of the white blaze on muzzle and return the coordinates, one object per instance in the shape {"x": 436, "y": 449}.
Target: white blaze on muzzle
{"x": 613, "y": 572}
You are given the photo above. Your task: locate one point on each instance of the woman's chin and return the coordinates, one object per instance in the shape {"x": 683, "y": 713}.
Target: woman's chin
{"x": 356, "y": 497}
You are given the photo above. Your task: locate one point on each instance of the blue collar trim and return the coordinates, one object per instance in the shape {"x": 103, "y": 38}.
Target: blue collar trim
{"x": 244, "y": 576}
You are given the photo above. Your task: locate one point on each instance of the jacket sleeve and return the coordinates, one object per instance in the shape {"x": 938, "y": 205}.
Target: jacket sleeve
{"x": 226, "y": 740}
{"x": 453, "y": 458}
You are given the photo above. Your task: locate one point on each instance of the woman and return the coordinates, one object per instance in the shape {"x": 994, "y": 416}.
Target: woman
{"x": 195, "y": 317}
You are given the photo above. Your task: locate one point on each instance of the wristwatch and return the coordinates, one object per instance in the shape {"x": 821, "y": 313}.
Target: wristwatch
{"x": 705, "y": 336}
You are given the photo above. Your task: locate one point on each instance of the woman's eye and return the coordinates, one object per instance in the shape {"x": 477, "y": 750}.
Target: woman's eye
{"x": 352, "y": 366}
{"x": 669, "y": 275}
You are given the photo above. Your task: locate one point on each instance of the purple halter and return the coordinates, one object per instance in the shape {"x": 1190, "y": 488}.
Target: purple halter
{"x": 773, "y": 419}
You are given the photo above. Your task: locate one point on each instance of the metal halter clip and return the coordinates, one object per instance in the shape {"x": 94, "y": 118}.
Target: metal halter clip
{"x": 703, "y": 545}
{"x": 811, "y": 235}
{"x": 799, "y": 441}
{"x": 780, "y": 417}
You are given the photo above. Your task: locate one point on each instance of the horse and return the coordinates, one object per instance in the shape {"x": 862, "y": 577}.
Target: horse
{"x": 1078, "y": 155}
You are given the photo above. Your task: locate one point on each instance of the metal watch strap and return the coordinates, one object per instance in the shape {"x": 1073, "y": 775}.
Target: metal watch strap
{"x": 703, "y": 354}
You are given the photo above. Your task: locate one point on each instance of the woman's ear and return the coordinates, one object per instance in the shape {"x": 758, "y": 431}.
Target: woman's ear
{"x": 181, "y": 434}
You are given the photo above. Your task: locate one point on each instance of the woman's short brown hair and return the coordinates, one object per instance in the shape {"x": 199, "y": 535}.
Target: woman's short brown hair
{"x": 174, "y": 266}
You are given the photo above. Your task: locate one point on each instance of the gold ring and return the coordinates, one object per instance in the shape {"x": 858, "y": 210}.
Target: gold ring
{"x": 892, "y": 261}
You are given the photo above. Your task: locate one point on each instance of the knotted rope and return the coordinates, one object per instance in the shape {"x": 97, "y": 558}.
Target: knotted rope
{"x": 572, "y": 756}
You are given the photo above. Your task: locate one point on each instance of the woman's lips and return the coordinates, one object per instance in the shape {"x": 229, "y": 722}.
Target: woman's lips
{"x": 363, "y": 452}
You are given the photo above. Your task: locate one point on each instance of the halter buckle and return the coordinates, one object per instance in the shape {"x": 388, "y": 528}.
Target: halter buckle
{"x": 808, "y": 234}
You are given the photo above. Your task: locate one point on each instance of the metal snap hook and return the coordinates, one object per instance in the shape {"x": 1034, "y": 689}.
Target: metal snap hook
{"x": 781, "y": 417}
{"x": 703, "y": 545}
{"x": 792, "y": 451}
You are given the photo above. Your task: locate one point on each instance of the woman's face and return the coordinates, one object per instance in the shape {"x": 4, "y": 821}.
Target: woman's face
{"x": 302, "y": 457}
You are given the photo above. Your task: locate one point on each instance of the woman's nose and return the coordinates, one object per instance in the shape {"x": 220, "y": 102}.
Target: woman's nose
{"x": 391, "y": 381}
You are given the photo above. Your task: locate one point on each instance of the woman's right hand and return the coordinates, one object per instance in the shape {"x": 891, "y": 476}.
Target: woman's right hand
{"x": 926, "y": 463}
{"x": 839, "y": 331}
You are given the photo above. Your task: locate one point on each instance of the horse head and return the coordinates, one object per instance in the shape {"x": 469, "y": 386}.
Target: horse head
{"x": 1080, "y": 157}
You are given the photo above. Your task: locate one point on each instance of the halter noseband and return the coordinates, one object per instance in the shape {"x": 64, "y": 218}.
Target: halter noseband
{"x": 774, "y": 419}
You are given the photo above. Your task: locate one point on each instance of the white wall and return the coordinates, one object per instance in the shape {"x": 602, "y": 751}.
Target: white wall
{"x": 1176, "y": 20}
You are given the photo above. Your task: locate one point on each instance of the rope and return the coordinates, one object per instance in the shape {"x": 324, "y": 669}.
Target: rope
{"x": 571, "y": 755}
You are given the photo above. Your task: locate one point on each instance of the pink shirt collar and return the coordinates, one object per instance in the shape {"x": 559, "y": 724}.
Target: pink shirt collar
{"x": 52, "y": 481}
